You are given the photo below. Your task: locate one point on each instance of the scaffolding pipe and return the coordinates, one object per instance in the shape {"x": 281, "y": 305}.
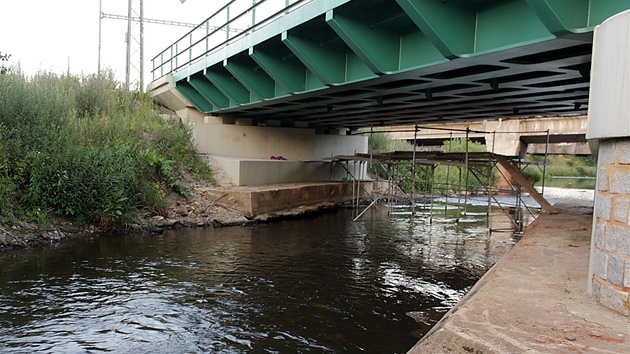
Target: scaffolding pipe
{"x": 467, "y": 173}
{"x": 459, "y": 194}
{"x": 545, "y": 164}
{"x": 360, "y": 174}
{"x": 448, "y": 173}
{"x": 413, "y": 172}
{"x": 488, "y": 191}
{"x": 498, "y": 203}
{"x": 432, "y": 193}
{"x": 368, "y": 207}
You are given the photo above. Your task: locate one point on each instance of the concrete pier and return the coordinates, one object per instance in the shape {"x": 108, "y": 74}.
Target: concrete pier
{"x": 535, "y": 300}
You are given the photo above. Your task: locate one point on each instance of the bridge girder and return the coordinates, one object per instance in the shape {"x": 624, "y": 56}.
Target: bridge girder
{"x": 359, "y": 63}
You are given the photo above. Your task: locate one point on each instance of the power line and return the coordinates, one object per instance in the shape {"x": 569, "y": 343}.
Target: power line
{"x": 134, "y": 40}
{"x": 149, "y": 20}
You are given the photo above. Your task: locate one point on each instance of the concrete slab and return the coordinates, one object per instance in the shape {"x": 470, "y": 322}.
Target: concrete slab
{"x": 534, "y": 299}
{"x": 281, "y": 199}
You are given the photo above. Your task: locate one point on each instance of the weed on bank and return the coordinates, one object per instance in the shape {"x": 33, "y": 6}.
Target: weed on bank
{"x": 84, "y": 149}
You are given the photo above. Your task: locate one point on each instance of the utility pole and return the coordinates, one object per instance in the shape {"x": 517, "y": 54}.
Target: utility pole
{"x": 100, "y": 30}
{"x": 134, "y": 39}
{"x": 128, "y": 41}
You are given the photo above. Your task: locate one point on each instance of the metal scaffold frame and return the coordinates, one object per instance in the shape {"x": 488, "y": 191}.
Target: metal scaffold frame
{"x": 479, "y": 165}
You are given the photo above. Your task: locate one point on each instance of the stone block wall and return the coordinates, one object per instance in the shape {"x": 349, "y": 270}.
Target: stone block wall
{"x": 610, "y": 258}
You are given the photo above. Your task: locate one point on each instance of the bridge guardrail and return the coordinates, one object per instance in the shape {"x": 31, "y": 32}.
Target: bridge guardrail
{"x": 241, "y": 18}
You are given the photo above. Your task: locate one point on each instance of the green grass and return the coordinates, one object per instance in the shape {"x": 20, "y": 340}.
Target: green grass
{"x": 567, "y": 165}
{"x": 82, "y": 148}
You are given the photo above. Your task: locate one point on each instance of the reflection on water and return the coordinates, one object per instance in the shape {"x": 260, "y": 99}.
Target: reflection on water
{"x": 323, "y": 284}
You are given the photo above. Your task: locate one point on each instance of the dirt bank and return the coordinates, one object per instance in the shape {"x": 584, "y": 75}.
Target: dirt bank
{"x": 195, "y": 210}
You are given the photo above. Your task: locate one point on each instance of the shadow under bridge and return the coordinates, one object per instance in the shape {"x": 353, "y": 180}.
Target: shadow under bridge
{"x": 359, "y": 63}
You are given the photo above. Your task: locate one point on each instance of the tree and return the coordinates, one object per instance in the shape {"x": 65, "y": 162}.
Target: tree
{"x": 4, "y": 57}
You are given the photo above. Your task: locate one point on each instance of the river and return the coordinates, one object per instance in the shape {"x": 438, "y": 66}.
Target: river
{"x": 321, "y": 284}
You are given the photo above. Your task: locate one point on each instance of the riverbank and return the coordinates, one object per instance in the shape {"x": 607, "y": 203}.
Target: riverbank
{"x": 534, "y": 299}
{"x": 200, "y": 208}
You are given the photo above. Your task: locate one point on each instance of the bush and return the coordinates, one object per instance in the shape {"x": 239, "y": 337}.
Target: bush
{"x": 532, "y": 174}
{"x": 87, "y": 150}
{"x": 454, "y": 178}
{"x": 444, "y": 178}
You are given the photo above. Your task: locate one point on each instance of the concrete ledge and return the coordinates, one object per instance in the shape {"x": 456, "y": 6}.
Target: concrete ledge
{"x": 534, "y": 299}
{"x": 260, "y": 201}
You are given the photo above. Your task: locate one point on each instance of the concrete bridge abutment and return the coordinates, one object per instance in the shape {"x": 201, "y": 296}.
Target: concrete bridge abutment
{"x": 258, "y": 155}
{"x": 609, "y": 132}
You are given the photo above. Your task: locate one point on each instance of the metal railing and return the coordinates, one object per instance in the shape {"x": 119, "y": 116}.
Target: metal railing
{"x": 237, "y": 18}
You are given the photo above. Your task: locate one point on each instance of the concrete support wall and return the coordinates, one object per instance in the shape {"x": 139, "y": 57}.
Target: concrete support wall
{"x": 246, "y": 141}
{"x": 245, "y": 151}
{"x": 240, "y": 139}
{"x": 247, "y": 172}
{"x": 609, "y": 130}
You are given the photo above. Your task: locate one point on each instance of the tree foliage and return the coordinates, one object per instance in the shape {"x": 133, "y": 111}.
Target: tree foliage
{"x": 3, "y": 68}
{"x": 439, "y": 179}
{"x": 454, "y": 178}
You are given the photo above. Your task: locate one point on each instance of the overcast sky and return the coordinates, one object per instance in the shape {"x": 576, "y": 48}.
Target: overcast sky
{"x": 55, "y": 35}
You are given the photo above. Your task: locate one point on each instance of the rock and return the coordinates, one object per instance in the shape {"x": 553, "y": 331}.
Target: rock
{"x": 232, "y": 221}
{"x": 170, "y": 222}
{"x": 418, "y": 316}
{"x": 182, "y": 210}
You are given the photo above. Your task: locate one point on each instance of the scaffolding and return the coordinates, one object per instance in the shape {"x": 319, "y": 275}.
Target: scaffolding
{"x": 480, "y": 166}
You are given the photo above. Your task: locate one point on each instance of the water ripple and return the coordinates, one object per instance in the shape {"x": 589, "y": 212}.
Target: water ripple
{"x": 321, "y": 285}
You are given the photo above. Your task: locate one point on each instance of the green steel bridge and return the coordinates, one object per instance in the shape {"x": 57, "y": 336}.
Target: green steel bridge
{"x": 358, "y": 63}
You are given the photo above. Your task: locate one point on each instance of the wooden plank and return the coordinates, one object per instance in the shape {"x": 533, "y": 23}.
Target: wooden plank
{"x": 516, "y": 174}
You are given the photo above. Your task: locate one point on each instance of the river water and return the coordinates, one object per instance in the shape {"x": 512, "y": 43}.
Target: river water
{"x": 320, "y": 284}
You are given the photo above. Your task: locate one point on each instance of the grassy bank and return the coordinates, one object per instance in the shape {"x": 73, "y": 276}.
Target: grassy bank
{"x": 83, "y": 149}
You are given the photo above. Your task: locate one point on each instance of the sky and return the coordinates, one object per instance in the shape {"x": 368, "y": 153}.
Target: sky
{"x": 61, "y": 35}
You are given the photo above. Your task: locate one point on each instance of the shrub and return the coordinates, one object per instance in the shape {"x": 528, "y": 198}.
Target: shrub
{"x": 532, "y": 174}
{"x": 454, "y": 177}
{"x": 87, "y": 150}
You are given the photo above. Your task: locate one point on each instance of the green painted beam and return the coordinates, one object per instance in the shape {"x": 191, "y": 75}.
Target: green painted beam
{"x": 462, "y": 31}
{"x": 508, "y": 24}
{"x": 186, "y": 89}
{"x": 601, "y": 10}
{"x": 229, "y": 85}
{"x": 287, "y": 71}
{"x": 377, "y": 48}
{"x": 451, "y": 28}
{"x": 417, "y": 51}
{"x": 561, "y": 17}
{"x": 330, "y": 65}
{"x": 575, "y": 16}
{"x": 384, "y": 51}
{"x": 253, "y": 77}
{"x": 208, "y": 91}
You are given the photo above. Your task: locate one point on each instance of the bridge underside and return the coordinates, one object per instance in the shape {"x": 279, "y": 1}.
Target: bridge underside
{"x": 360, "y": 63}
